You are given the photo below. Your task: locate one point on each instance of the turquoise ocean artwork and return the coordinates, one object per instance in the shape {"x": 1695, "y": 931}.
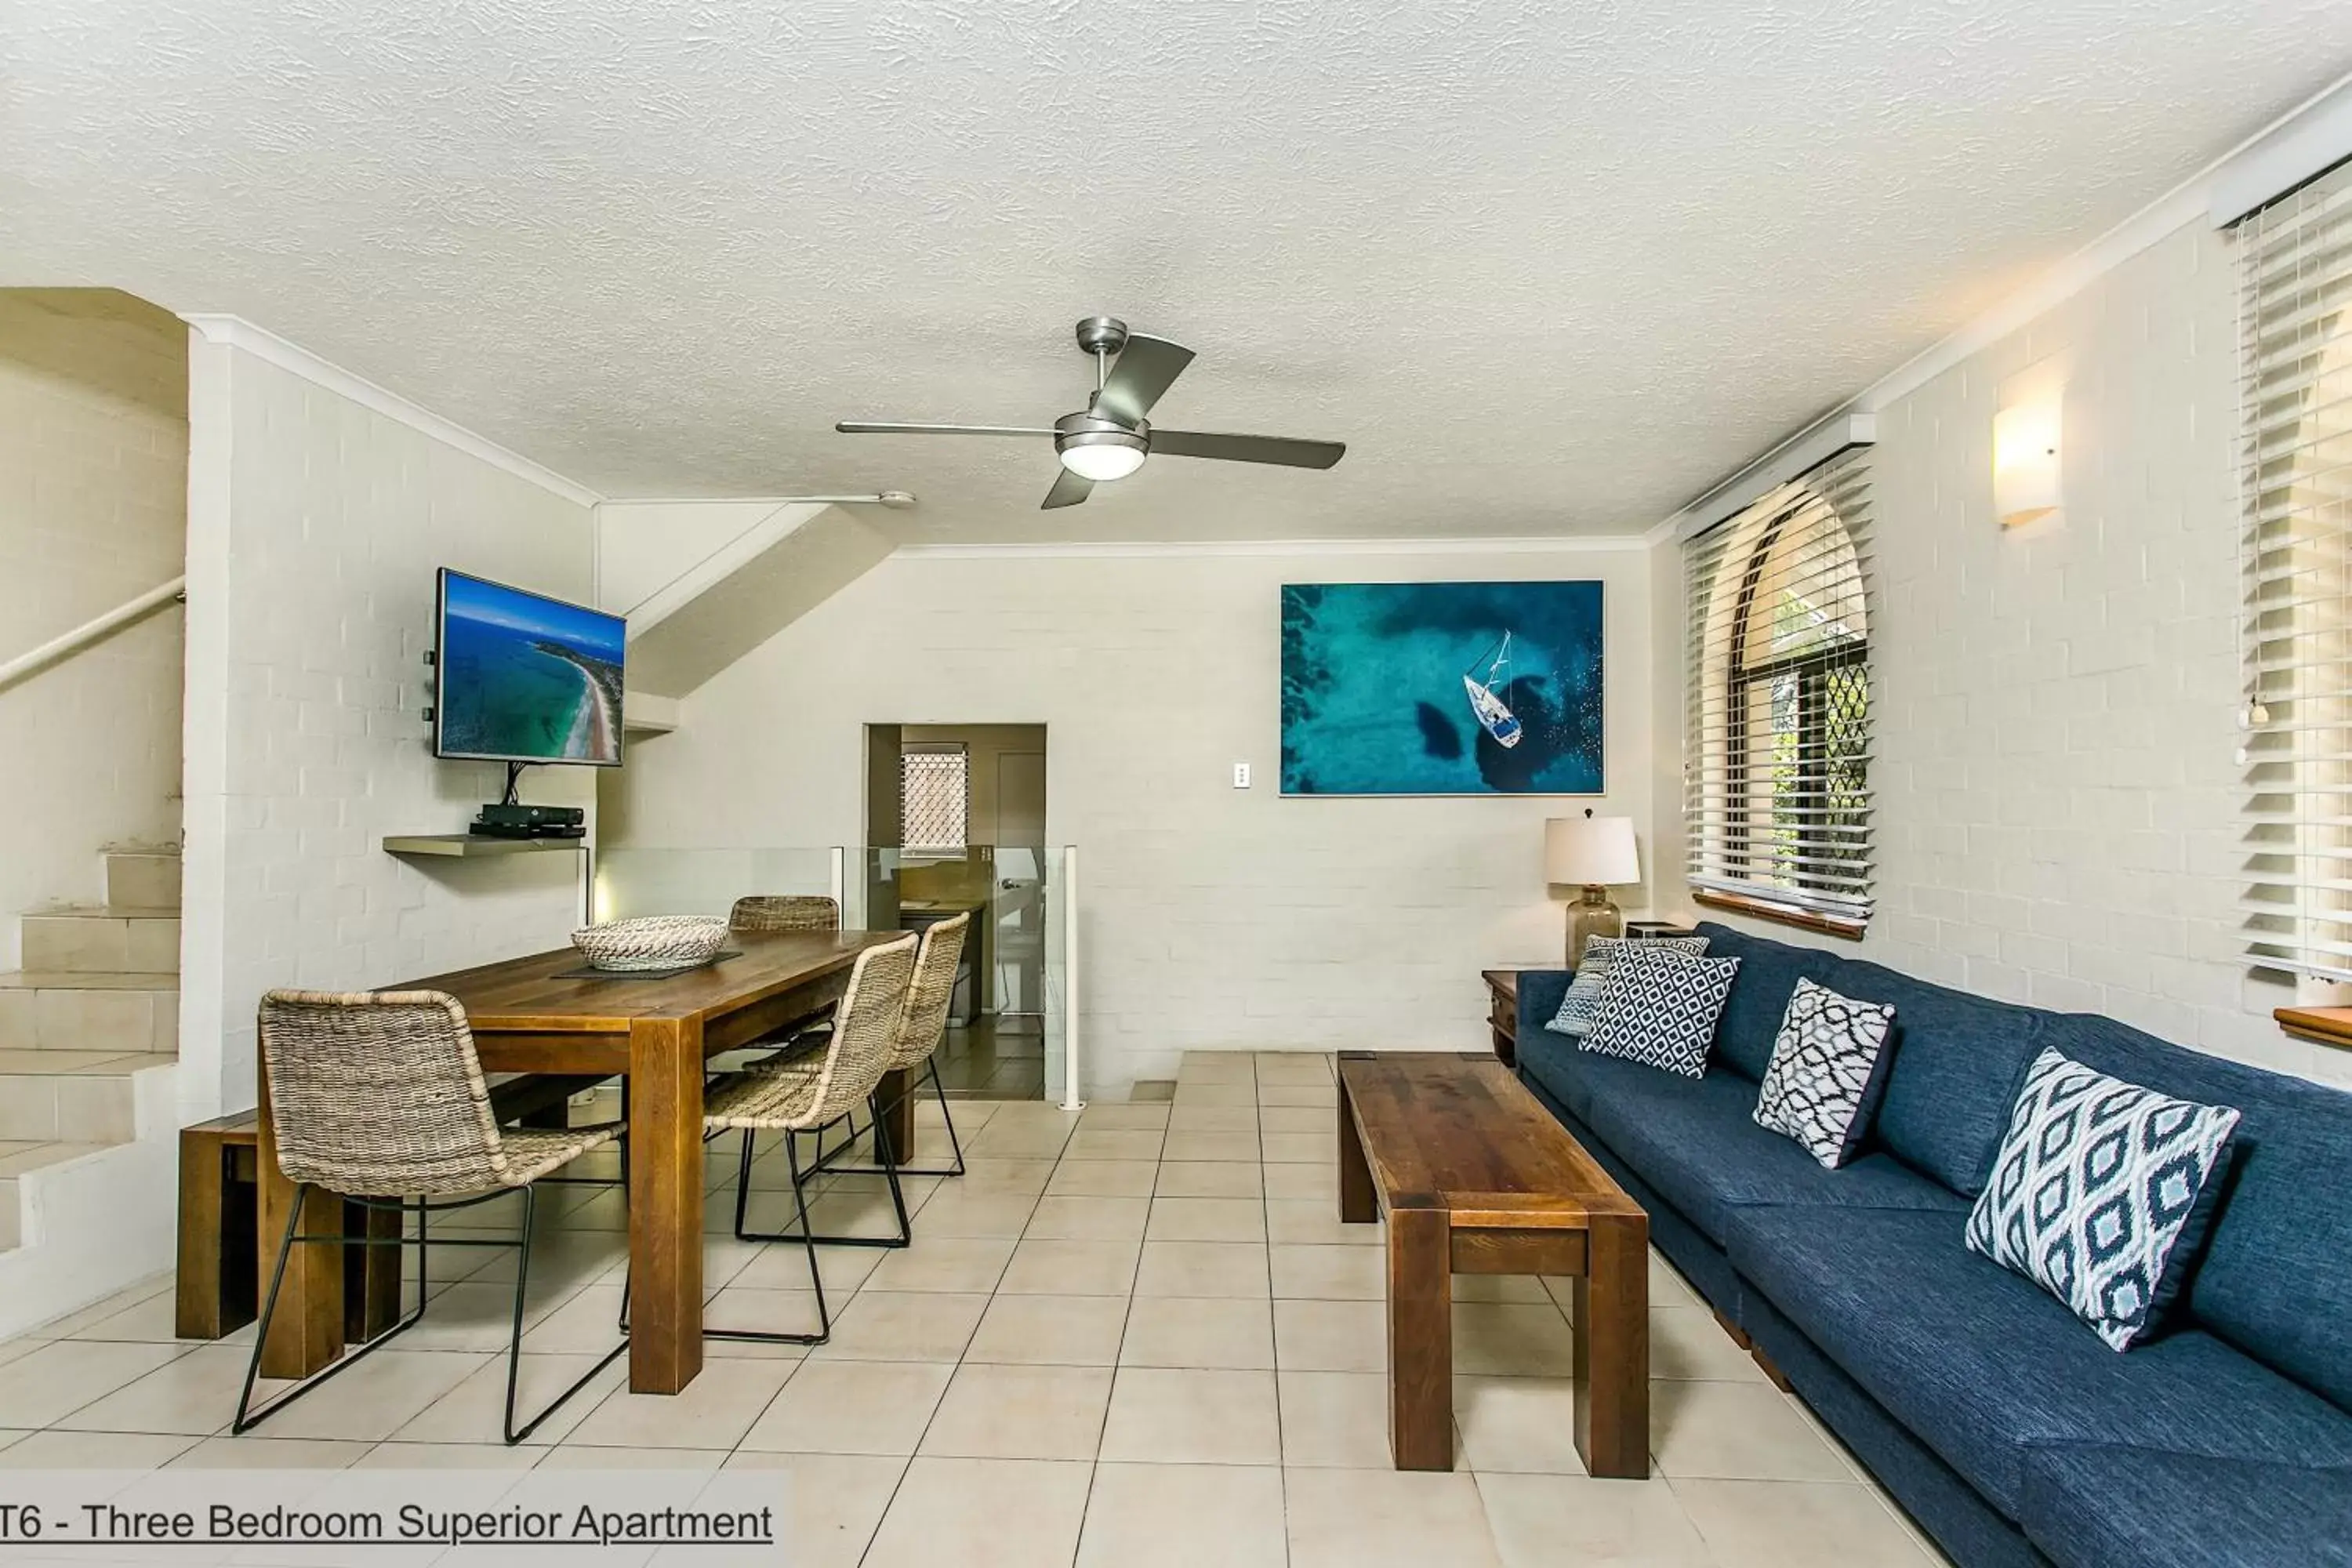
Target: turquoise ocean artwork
{"x": 1441, "y": 688}
{"x": 526, "y": 677}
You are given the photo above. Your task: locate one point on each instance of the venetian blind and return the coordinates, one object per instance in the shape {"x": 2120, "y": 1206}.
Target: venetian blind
{"x": 1777, "y": 797}
{"x": 2295, "y": 258}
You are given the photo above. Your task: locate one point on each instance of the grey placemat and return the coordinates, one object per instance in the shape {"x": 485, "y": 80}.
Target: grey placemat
{"x": 589, "y": 972}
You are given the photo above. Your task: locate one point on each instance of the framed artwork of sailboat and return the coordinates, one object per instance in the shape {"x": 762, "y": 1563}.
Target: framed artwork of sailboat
{"x": 1441, "y": 688}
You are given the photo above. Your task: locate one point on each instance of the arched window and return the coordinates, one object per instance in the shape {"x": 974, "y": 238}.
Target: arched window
{"x": 1778, "y": 785}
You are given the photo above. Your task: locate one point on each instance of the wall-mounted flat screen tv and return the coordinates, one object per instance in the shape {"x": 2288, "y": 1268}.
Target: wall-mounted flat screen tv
{"x": 521, "y": 677}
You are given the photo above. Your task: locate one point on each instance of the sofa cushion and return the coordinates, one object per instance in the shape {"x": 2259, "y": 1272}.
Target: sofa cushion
{"x": 2101, "y": 1193}
{"x": 1983, "y": 1367}
{"x": 1660, "y": 1006}
{"x": 1693, "y": 1140}
{"x": 1582, "y": 1002}
{"x": 1958, "y": 1060}
{"x": 1828, "y": 1070}
{"x": 1768, "y": 973}
{"x": 2275, "y": 1279}
{"x": 2093, "y": 1506}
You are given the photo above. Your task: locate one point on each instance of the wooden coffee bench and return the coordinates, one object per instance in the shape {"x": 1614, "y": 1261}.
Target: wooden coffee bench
{"x": 219, "y": 1261}
{"x": 1475, "y": 1177}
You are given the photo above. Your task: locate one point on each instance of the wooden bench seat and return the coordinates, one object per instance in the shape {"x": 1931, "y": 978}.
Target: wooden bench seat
{"x": 219, "y": 1253}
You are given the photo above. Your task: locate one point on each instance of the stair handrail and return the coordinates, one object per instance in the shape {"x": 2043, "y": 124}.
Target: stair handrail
{"x": 61, "y": 648}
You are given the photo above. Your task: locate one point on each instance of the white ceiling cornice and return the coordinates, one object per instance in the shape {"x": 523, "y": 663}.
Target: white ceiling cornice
{"x": 1566, "y": 545}
{"x": 235, "y": 331}
{"x": 2192, "y": 201}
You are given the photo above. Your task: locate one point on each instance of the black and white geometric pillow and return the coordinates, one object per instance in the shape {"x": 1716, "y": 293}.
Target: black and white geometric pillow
{"x": 2099, "y": 1193}
{"x": 1658, "y": 1007}
{"x": 1584, "y": 998}
{"x": 1829, "y": 1058}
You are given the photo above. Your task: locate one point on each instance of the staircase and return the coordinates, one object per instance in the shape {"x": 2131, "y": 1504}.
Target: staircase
{"x": 88, "y": 1113}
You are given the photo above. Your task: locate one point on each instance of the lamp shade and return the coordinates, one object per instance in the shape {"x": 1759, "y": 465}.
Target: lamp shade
{"x": 1589, "y": 850}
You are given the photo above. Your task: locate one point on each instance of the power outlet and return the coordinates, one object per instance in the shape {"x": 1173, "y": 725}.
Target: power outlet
{"x": 1241, "y": 775}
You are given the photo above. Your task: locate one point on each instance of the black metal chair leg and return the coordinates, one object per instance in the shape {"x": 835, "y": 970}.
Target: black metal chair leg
{"x": 932, "y": 1067}
{"x": 514, "y": 1345}
{"x": 955, "y": 1144}
{"x": 817, "y": 1280}
{"x": 248, "y": 1417}
{"x": 742, "y": 1198}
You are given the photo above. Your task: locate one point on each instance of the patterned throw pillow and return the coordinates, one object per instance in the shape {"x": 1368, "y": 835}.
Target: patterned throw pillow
{"x": 1658, "y": 1007}
{"x": 2100, "y": 1193}
{"x": 1584, "y": 998}
{"x": 1826, "y": 1064}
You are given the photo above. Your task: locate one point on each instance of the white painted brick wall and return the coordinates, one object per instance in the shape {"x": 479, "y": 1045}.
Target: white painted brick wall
{"x": 1214, "y": 917}
{"x": 2057, "y": 798}
{"x": 316, "y": 525}
{"x": 93, "y": 499}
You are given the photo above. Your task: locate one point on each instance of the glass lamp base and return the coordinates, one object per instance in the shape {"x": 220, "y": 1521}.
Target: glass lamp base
{"x": 1595, "y": 916}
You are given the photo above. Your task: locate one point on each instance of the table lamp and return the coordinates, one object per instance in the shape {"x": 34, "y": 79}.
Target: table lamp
{"x": 1593, "y": 852}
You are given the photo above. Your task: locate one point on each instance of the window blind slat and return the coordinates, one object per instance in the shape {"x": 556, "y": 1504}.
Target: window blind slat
{"x": 1776, "y": 797}
{"x": 2294, "y": 260}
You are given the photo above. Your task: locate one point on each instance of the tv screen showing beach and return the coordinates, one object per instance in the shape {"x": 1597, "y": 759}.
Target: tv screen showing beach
{"x": 526, "y": 679}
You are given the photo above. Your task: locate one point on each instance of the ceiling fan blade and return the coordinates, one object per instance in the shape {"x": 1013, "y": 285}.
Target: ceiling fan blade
{"x": 872, "y": 427}
{"x": 1147, "y": 367}
{"x": 1279, "y": 449}
{"x": 1068, "y": 489}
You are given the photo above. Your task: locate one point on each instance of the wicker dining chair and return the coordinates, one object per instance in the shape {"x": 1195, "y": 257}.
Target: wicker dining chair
{"x": 378, "y": 1097}
{"x": 784, "y": 911}
{"x": 813, "y": 1092}
{"x": 922, "y": 1026}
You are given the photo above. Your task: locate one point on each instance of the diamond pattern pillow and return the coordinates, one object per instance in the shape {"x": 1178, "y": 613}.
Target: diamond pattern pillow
{"x": 1658, "y": 1007}
{"x": 1584, "y": 998}
{"x": 1826, "y": 1065}
{"x": 2100, "y": 1193}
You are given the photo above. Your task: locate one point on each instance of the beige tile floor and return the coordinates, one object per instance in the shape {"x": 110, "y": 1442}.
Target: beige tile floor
{"x": 1136, "y": 1336}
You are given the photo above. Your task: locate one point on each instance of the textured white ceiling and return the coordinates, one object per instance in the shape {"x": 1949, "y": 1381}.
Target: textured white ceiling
{"x": 1545, "y": 266}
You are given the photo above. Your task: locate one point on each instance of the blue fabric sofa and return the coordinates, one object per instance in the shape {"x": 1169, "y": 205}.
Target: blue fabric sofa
{"x": 2010, "y": 1431}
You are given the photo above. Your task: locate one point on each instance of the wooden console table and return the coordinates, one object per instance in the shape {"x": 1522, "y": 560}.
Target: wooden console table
{"x": 1503, "y": 1013}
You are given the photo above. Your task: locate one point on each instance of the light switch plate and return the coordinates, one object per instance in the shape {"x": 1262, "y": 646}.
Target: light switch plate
{"x": 1241, "y": 775}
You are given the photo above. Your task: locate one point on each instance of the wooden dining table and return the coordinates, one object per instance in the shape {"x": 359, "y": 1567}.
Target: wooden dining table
{"x": 659, "y": 1034}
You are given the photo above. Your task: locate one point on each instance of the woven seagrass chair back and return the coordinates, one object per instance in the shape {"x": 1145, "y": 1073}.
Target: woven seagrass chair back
{"x": 865, "y": 1030}
{"x": 379, "y": 1093}
{"x": 924, "y": 1020}
{"x": 784, "y": 911}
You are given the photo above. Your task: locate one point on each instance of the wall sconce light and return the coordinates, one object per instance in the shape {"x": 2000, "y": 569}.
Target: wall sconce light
{"x": 2025, "y": 462}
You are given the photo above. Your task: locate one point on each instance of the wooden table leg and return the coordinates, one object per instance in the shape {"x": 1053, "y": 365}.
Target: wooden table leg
{"x": 371, "y": 1274}
{"x": 664, "y": 1204}
{"x": 897, "y": 1093}
{"x": 1357, "y": 1206}
{"x": 1421, "y": 1339}
{"x": 1613, "y": 1348}
{"x": 306, "y": 1334}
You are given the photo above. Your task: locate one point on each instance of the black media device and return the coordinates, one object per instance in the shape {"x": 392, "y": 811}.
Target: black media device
{"x": 507, "y": 820}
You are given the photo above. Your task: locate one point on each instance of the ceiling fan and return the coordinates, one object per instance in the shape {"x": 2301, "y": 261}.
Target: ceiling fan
{"x": 1111, "y": 439}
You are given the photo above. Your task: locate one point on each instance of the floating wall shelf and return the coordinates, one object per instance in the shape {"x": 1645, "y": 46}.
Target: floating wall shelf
{"x": 466, "y": 845}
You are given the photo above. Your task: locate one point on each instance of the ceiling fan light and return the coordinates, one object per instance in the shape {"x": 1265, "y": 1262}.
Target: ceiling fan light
{"x": 1103, "y": 457}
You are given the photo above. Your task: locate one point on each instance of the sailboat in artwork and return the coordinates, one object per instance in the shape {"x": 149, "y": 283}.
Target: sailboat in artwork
{"x": 1482, "y": 680}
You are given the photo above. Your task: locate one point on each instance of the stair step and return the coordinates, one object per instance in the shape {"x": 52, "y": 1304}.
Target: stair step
{"x": 60, "y": 1010}
{"x": 72, "y": 1097}
{"x": 143, "y": 878}
{"x": 20, "y": 1158}
{"x": 102, "y": 938}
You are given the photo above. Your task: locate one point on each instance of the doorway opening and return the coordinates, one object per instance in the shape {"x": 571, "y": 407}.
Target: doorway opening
{"x": 955, "y": 822}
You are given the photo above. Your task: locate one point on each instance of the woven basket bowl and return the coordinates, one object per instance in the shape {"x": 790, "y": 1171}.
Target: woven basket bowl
{"x": 657, "y": 941}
